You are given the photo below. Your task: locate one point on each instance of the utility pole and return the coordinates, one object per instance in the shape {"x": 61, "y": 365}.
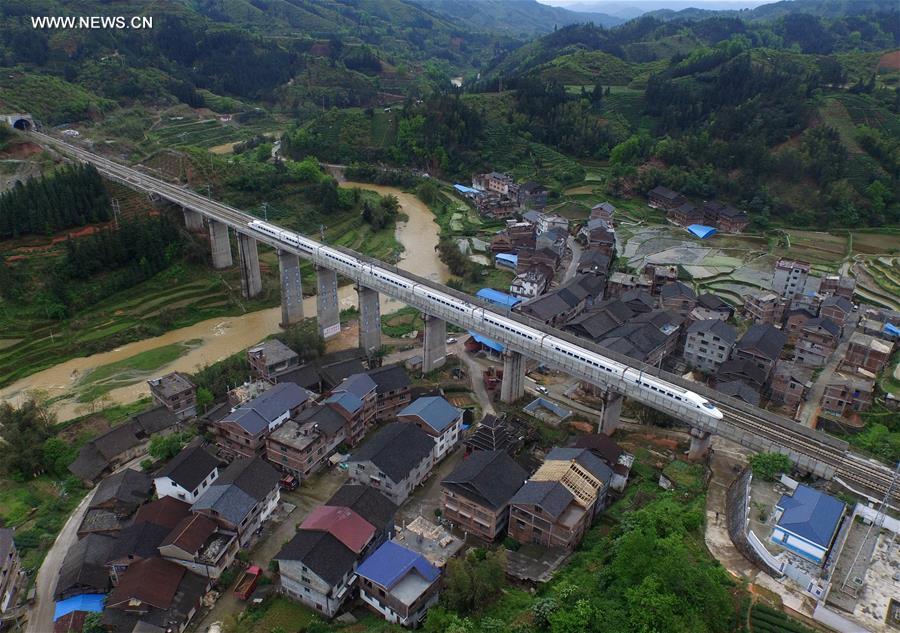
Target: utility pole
{"x": 115, "y": 208}
{"x": 265, "y": 206}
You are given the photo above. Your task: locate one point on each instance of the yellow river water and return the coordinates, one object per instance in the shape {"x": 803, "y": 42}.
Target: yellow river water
{"x": 228, "y": 335}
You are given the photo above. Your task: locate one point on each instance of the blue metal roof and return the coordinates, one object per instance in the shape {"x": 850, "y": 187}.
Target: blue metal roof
{"x": 494, "y": 345}
{"x": 435, "y": 411}
{"x": 811, "y": 515}
{"x": 464, "y": 189}
{"x": 391, "y": 563}
{"x": 891, "y": 329}
{"x": 702, "y": 231}
{"x": 345, "y": 399}
{"x": 500, "y": 298}
{"x": 90, "y": 602}
{"x": 506, "y": 258}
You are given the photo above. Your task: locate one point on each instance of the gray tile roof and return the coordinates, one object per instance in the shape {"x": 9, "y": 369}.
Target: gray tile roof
{"x": 764, "y": 339}
{"x": 714, "y": 302}
{"x": 139, "y": 539}
{"x": 239, "y": 487}
{"x": 841, "y": 302}
{"x": 716, "y": 327}
{"x": 389, "y": 378}
{"x": 274, "y": 351}
{"x": 825, "y": 323}
{"x": 330, "y": 421}
{"x": 325, "y": 555}
{"x": 154, "y": 420}
{"x": 360, "y": 385}
{"x": 368, "y": 503}
{"x": 84, "y": 567}
{"x": 550, "y": 496}
{"x": 586, "y": 459}
{"x": 489, "y": 478}
{"x": 191, "y": 466}
{"x": 396, "y": 449}
{"x": 741, "y": 390}
{"x": 255, "y": 416}
{"x": 124, "y": 491}
{"x": 677, "y": 290}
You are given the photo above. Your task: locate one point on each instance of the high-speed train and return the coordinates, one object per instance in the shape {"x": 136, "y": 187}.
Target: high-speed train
{"x": 513, "y": 329}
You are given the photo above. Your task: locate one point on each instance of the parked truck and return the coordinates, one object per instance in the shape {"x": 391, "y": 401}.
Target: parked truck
{"x": 247, "y": 582}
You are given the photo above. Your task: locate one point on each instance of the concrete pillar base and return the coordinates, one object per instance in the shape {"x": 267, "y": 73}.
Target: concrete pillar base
{"x": 513, "y": 386}
{"x": 369, "y": 320}
{"x": 291, "y": 289}
{"x": 193, "y": 221}
{"x": 612, "y": 410}
{"x": 700, "y": 441}
{"x": 435, "y": 344}
{"x": 251, "y": 281}
{"x": 219, "y": 244}
{"x": 327, "y": 309}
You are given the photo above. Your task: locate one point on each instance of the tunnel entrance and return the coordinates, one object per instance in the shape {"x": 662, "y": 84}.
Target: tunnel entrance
{"x": 22, "y": 124}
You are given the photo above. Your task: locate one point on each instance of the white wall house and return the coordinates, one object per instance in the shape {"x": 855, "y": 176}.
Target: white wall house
{"x": 187, "y": 475}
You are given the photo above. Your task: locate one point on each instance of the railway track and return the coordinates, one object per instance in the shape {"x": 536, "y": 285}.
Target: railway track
{"x": 852, "y": 468}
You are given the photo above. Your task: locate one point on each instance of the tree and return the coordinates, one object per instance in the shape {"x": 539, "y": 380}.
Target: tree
{"x": 474, "y": 581}
{"x": 204, "y": 399}
{"x": 769, "y": 465}
{"x": 304, "y": 339}
{"x": 163, "y": 448}
{"x": 93, "y": 623}
{"x": 428, "y": 192}
{"x": 57, "y": 456}
{"x": 24, "y": 431}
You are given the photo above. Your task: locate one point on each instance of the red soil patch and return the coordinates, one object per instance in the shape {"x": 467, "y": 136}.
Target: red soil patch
{"x": 21, "y": 150}
{"x": 890, "y": 61}
{"x": 661, "y": 442}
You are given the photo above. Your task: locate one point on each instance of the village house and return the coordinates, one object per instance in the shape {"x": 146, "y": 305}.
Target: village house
{"x": 84, "y": 567}
{"x": 611, "y": 454}
{"x": 724, "y": 217}
{"x": 243, "y": 432}
{"x": 817, "y": 340}
{"x": 593, "y": 262}
{"x": 685, "y": 214}
{"x": 710, "y": 306}
{"x": 763, "y": 308}
{"x": 807, "y": 522}
{"x": 394, "y": 461}
{"x": 708, "y": 344}
{"x": 115, "y": 500}
{"x": 790, "y": 384}
{"x": 838, "y": 285}
{"x": 398, "y": 584}
{"x": 665, "y": 198}
{"x": 435, "y": 543}
{"x": 678, "y": 297}
{"x": 356, "y": 400}
{"x": 176, "y": 393}
{"x": 528, "y": 258}
{"x": 200, "y": 546}
{"x": 242, "y": 498}
{"x": 437, "y": 417}
{"x": 660, "y": 275}
{"x": 371, "y": 505}
{"x": 762, "y": 345}
{"x": 789, "y": 278}
{"x": 836, "y": 308}
{"x": 739, "y": 390}
{"x": 648, "y": 337}
{"x": 392, "y": 390}
{"x": 743, "y": 370}
{"x": 303, "y": 446}
{"x": 847, "y": 394}
{"x": 620, "y": 283}
{"x": 475, "y": 496}
{"x": 867, "y": 352}
{"x": 532, "y": 195}
{"x": 10, "y": 567}
{"x": 270, "y": 358}
{"x": 318, "y": 570}
{"x": 558, "y": 503}
{"x": 795, "y": 318}
{"x": 531, "y": 283}
{"x": 187, "y": 475}
{"x": 599, "y": 235}
{"x": 603, "y": 211}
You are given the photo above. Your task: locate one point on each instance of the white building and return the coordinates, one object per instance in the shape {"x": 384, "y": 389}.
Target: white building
{"x": 188, "y": 474}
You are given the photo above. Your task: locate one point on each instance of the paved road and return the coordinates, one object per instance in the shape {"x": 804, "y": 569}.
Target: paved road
{"x": 809, "y": 412}
{"x": 575, "y": 247}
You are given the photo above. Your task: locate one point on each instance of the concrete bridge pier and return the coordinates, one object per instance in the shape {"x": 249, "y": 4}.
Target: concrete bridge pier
{"x": 435, "y": 344}
{"x": 369, "y": 320}
{"x": 327, "y": 309}
{"x": 251, "y": 281}
{"x": 193, "y": 221}
{"x": 612, "y": 410}
{"x": 700, "y": 441}
{"x": 513, "y": 386}
{"x": 291, "y": 289}
{"x": 219, "y": 244}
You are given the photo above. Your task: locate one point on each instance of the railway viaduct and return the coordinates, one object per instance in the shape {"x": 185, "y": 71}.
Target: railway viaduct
{"x": 811, "y": 451}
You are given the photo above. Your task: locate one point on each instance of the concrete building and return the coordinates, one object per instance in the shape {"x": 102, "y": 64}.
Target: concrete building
{"x": 437, "y": 417}
{"x": 475, "y": 496}
{"x": 176, "y": 393}
{"x": 187, "y": 475}
{"x": 356, "y": 400}
{"x": 836, "y": 308}
{"x": 838, "y": 285}
{"x": 789, "y": 278}
{"x": 846, "y": 394}
{"x": 762, "y": 345}
{"x": 200, "y": 546}
{"x": 530, "y": 284}
{"x": 817, "y": 340}
{"x": 302, "y": 447}
{"x": 558, "y": 503}
{"x": 394, "y": 461}
{"x": 710, "y": 306}
{"x": 398, "y": 584}
{"x": 807, "y": 522}
{"x": 243, "y": 432}
{"x": 392, "y": 390}
{"x": 795, "y": 319}
{"x": 868, "y": 353}
{"x": 708, "y": 344}
{"x": 790, "y": 384}
{"x": 242, "y": 498}
{"x": 434, "y": 542}
{"x": 763, "y": 308}
{"x": 270, "y": 358}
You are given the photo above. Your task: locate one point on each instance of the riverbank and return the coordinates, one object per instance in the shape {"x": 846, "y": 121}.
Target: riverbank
{"x": 214, "y": 339}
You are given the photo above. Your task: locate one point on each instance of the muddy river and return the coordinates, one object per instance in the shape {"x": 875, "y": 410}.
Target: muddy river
{"x": 225, "y": 336}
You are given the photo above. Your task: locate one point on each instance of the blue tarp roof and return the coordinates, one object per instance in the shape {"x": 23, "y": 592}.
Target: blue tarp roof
{"x": 892, "y": 329}
{"x": 702, "y": 231}
{"x": 500, "y": 298}
{"x": 494, "y": 345}
{"x": 434, "y": 410}
{"x": 392, "y": 562}
{"x": 810, "y": 514}
{"x": 90, "y": 602}
{"x": 507, "y": 258}
{"x": 464, "y": 189}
